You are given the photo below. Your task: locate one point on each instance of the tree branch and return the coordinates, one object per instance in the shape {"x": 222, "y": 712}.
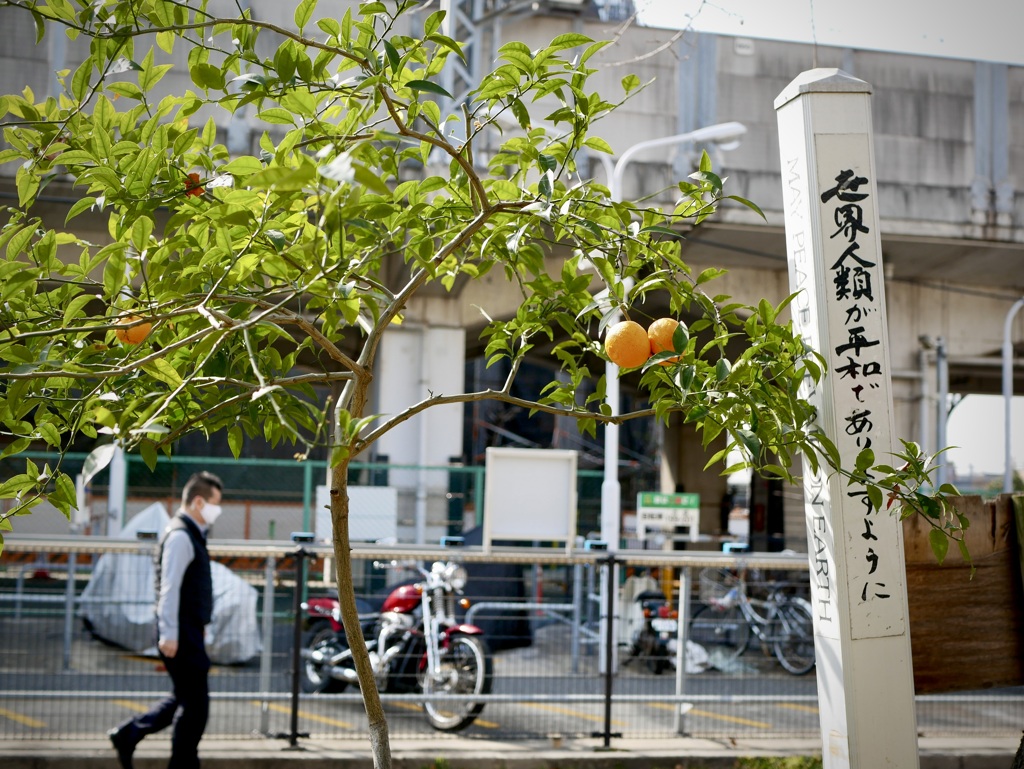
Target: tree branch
{"x": 503, "y": 397}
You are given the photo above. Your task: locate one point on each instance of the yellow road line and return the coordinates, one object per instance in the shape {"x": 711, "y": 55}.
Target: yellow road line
{"x": 569, "y": 712}
{"x": 138, "y": 707}
{"x": 795, "y": 706}
{"x": 307, "y": 715}
{"x": 34, "y": 723}
{"x": 730, "y": 719}
{"x": 406, "y": 705}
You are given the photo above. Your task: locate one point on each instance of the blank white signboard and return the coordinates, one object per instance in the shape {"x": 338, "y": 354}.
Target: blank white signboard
{"x": 372, "y": 513}
{"x": 530, "y": 495}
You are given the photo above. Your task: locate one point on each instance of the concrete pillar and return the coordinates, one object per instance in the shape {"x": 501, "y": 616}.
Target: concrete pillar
{"x": 858, "y": 583}
{"x": 683, "y": 460}
{"x": 418, "y": 360}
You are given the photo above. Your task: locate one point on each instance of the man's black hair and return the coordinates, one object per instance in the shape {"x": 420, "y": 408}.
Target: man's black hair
{"x": 201, "y": 484}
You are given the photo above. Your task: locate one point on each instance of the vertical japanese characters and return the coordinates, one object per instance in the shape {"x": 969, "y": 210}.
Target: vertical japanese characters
{"x": 858, "y": 358}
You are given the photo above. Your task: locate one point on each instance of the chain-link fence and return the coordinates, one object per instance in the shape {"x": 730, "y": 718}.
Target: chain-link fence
{"x": 76, "y": 622}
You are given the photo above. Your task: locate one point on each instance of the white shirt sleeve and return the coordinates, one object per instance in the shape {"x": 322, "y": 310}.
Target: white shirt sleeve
{"x": 177, "y": 555}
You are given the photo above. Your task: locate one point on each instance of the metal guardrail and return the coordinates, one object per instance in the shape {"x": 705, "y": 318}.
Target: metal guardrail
{"x": 62, "y": 545}
{"x": 585, "y": 682}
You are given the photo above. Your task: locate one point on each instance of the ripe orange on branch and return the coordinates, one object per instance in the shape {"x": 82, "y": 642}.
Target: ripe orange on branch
{"x": 132, "y": 334}
{"x": 660, "y": 336}
{"x": 627, "y": 345}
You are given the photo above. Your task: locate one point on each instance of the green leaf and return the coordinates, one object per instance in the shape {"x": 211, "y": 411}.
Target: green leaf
{"x": 242, "y": 166}
{"x": 166, "y": 40}
{"x": 630, "y": 83}
{"x": 113, "y": 272}
{"x": 750, "y": 442}
{"x": 142, "y": 230}
{"x": 40, "y": 24}
{"x": 304, "y": 12}
{"x": 722, "y": 369}
{"x": 370, "y": 180}
{"x": 446, "y": 42}
{"x": 709, "y": 274}
{"x": 66, "y": 493}
{"x": 666, "y": 231}
{"x": 207, "y": 76}
{"x": 148, "y": 452}
{"x": 276, "y": 115}
{"x": 752, "y": 206}
{"x": 428, "y": 87}
{"x": 235, "y": 440}
{"x": 18, "y": 244}
{"x": 940, "y": 544}
{"x": 599, "y": 144}
{"x": 865, "y": 459}
{"x": 433, "y": 23}
{"x": 49, "y": 433}
{"x": 569, "y": 40}
{"x": 80, "y": 80}
{"x": 875, "y": 495}
{"x": 76, "y": 308}
{"x": 163, "y": 371}
{"x": 28, "y": 186}
{"x": 330, "y": 26}
{"x": 394, "y": 60}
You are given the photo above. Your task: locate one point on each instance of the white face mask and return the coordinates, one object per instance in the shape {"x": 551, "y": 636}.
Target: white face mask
{"x": 211, "y": 513}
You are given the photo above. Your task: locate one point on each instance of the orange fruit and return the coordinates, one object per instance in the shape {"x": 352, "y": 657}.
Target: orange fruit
{"x": 626, "y": 344}
{"x": 132, "y": 334}
{"x": 660, "y": 336}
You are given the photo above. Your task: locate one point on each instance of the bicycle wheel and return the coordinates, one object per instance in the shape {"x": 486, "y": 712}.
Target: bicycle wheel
{"x": 724, "y": 633}
{"x": 792, "y": 631}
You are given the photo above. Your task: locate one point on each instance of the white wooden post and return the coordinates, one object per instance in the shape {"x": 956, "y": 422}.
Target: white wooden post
{"x": 858, "y": 586}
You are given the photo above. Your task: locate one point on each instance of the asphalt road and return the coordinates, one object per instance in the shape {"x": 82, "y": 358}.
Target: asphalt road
{"x": 48, "y": 693}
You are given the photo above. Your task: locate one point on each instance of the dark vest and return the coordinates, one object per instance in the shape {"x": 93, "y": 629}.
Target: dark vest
{"x": 196, "y": 605}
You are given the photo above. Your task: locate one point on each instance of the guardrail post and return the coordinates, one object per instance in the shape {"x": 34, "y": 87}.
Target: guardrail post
{"x": 577, "y": 614}
{"x": 266, "y": 659}
{"x": 682, "y": 638}
{"x": 300, "y": 583}
{"x": 69, "y": 610}
{"x": 609, "y": 648}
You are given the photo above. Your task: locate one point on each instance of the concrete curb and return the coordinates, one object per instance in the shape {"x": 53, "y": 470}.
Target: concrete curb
{"x": 681, "y": 753}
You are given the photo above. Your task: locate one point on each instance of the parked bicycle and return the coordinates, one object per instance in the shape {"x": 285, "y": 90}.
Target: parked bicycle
{"x": 782, "y": 622}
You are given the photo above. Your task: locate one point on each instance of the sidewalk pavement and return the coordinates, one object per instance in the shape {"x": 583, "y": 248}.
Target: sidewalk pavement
{"x": 462, "y": 753}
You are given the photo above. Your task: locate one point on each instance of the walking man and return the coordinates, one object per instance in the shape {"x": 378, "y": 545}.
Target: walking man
{"x": 184, "y": 606}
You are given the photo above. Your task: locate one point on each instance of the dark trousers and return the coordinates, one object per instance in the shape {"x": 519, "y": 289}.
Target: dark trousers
{"x": 187, "y": 707}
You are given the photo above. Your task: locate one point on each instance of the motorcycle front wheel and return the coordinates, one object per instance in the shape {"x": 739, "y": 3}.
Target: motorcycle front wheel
{"x": 314, "y": 677}
{"x": 466, "y": 668}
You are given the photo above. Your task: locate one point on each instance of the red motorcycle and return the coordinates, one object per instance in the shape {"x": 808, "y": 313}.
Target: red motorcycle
{"x": 416, "y": 644}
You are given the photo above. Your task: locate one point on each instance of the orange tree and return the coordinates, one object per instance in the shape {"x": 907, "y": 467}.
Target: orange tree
{"x": 222, "y": 273}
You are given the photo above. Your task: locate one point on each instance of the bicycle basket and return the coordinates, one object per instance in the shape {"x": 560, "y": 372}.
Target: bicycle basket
{"x": 714, "y": 584}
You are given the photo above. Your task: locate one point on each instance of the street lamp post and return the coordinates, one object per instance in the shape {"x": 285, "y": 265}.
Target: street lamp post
{"x": 611, "y": 492}
{"x": 1008, "y": 393}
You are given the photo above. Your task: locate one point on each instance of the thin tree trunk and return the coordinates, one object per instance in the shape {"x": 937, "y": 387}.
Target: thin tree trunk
{"x": 379, "y": 740}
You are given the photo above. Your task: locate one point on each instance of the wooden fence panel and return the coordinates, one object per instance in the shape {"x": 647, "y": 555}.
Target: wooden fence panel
{"x": 967, "y": 633}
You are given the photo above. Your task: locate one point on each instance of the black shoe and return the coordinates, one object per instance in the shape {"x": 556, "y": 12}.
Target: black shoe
{"x": 123, "y": 744}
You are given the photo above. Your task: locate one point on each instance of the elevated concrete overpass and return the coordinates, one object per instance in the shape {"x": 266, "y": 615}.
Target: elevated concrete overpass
{"x": 949, "y": 146}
